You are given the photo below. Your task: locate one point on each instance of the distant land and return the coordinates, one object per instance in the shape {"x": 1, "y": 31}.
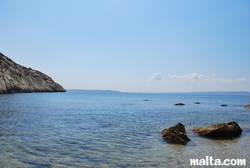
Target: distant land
{"x": 200, "y": 92}
{"x": 223, "y": 93}
{"x": 15, "y": 78}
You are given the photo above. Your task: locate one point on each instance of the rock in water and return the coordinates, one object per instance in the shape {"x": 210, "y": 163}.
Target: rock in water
{"x": 247, "y": 106}
{"x": 220, "y": 131}
{"x": 15, "y": 78}
{"x": 179, "y": 104}
{"x": 175, "y": 134}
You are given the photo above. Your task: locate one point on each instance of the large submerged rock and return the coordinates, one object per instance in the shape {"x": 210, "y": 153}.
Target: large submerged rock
{"x": 15, "y": 78}
{"x": 175, "y": 134}
{"x": 220, "y": 131}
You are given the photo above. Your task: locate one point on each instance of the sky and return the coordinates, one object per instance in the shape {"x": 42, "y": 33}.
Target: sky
{"x": 131, "y": 45}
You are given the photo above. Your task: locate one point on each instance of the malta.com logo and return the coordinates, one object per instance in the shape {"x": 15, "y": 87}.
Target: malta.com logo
{"x": 210, "y": 161}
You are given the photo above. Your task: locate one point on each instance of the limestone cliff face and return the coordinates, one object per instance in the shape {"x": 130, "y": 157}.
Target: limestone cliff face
{"x": 15, "y": 78}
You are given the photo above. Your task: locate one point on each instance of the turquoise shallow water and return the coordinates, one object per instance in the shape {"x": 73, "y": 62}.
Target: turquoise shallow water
{"x": 114, "y": 129}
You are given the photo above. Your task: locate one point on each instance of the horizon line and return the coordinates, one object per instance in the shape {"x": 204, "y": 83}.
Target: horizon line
{"x": 110, "y": 90}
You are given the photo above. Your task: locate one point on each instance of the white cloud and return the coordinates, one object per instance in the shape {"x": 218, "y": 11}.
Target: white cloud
{"x": 189, "y": 77}
{"x": 230, "y": 81}
{"x": 195, "y": 77}
{"x": 156, "y": 77}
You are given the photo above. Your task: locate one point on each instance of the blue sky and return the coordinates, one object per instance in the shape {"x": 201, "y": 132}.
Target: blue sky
{"x": 132, "y": 45}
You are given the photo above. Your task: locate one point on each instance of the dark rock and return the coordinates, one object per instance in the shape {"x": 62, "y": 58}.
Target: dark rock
{"x": 247, "y": 106}
{"x": 175, "y": 134}
{"x": 197, "y": 103}
{"x": 15, "y": 78}
{"x": 224, "y": 105}
{"x": 146, "y": 100}
{"x": 179, "y": 104}
{"x": 220, "y": 131}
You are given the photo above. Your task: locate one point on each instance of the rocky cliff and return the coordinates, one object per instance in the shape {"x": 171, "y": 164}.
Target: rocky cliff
{"x": 15, "y": 78}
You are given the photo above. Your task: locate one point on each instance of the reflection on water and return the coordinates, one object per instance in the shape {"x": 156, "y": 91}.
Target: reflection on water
{"x": 82, "y": 129}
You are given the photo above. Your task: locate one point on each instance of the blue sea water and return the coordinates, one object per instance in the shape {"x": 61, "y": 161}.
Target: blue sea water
{"x": 115, "y": 129}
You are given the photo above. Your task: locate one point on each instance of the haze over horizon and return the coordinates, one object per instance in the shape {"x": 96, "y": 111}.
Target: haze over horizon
{"x": 132, "y": 45}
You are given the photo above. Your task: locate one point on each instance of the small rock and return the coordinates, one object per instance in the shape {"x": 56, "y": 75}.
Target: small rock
{"x": 179, "y": 104}
{"x": 220, "y": 131}
{"x": 146, "y": 100}
{"x": 197, "y": 103}
{"x": 175, "y": 134}
{"x": 224, "y": 105}
{"x": 247, "y": 106}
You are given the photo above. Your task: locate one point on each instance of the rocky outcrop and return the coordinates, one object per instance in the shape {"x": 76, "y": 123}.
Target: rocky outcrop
{"x": 179, "y": 104}
{"x": 224, "y": 105}
{"x": 247, "y": 106}
{"x": 175, "y": 134}
{"x": 220, "y": 131}
{"x": 15, "y": 78}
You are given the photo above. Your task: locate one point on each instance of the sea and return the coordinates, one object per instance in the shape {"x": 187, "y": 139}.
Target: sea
{"x": 91, "y": 128}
